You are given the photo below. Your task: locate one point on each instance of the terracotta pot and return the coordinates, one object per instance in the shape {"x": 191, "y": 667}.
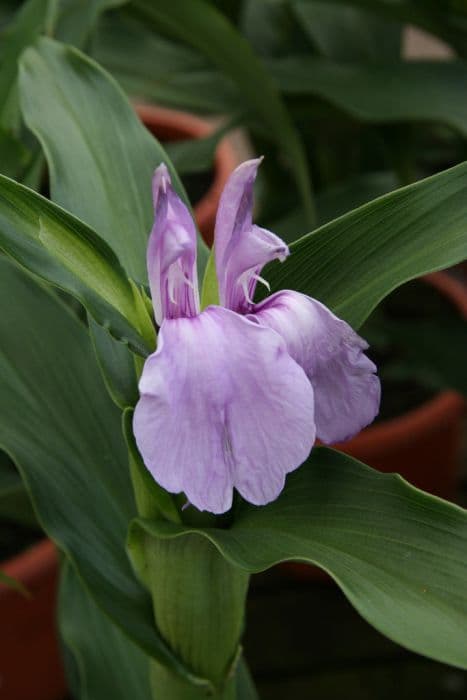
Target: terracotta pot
{"x": 423, "y": 445}
{"x": 30, "y": 663}
{"x": 171, "y": 125}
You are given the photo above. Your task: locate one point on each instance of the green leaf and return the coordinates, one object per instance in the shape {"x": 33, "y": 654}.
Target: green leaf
{"x": 271, "y": 28}
{"x": 348, "y": 33}
{"x": 202, "y": 26}
{"x": 180, "y": 77}
{"x": 76, "y": 20}
{"x": 109, "y": 664}
{"x": 61, "y": 429}
{"x": 350, "y": 194}
{"x": 100, "y": 157}
{"x": 398, "y": 554}
{"x": 245, "y": 687}
{"x": 210, "y": 288}
{"x": 14, "y": 156}
{"x": 353, "y": 262}
{"x": 335, "y": 201}
{"x": 117, "y": 365}
{"x": 63, "y": 251}
{"x": 29, "y": 22}
{"x": 420, "y": 91}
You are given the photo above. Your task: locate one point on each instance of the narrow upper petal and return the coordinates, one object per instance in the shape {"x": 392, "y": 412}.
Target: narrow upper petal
{"x": 223, "y": 405}
{"x": 241, "y": 248}
{"x": 171, "y": 254}
{"x": 347, "y": 390}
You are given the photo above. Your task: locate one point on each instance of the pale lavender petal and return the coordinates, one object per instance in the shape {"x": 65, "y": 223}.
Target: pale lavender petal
{"x": 171, "y": 254}
{"x": 347, "y": 390}
{"x": 241, "y": 248}
{"x": 223, "y": 405}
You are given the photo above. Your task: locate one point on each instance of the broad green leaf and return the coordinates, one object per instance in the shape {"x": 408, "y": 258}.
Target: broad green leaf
{"x": 100, "y": 157}
{"x": 32, "y": 18}
{"x": 398, "y": 554}
{"x": 348, "y": 33}
{"x": 180, "y": 77}
{"x": 201, "y": 25}
{"x": 109, "y": 665}
{"x": 65, "y": 252}
{"x": 61, "y": 429}
{"x": 353, "y": 262}
{"x": 420, "y": 91}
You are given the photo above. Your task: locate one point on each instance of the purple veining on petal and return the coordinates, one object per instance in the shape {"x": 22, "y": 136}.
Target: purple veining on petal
{"x": 223, "y": 405}
{"x": 241, "y": 248}
{"x": 347, "y": 390}
{"x": 171, "y": 255}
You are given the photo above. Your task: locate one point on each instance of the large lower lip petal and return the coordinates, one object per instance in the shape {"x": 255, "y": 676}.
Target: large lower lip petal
{"x": 223, "y": 405}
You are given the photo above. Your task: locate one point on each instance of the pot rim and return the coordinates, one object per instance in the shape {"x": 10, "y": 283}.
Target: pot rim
{"x": 30, "y": 566}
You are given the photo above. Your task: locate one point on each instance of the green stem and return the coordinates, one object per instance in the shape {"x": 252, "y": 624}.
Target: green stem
{"x": 199, "y": 602}
{"x": 168, "y": 686}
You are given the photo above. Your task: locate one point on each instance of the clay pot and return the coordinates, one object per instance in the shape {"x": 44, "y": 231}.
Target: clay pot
{"x": 170, "y": 125}
{"x": 30, "y": 663}
{"x": 423, "y": 445}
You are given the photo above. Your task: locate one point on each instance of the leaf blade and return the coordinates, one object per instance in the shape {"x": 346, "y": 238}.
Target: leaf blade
{"x": 61, "y": 250}
{"x": 202, "y": 26}
{"x": 61, "y": 429}
{"x": 101, "y": 158}
{"x": 397, "y": 553}
{"x": 353, "y": 262}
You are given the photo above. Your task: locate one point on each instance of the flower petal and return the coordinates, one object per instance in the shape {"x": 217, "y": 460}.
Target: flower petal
{"x": 171, "y": 255}
{"x": 223, "y": 405}
{"x": 347, "y": 390}
{"x": 242, "y": 249}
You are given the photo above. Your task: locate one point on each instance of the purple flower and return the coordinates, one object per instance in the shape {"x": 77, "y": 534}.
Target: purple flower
{"x": 235, "y": 395}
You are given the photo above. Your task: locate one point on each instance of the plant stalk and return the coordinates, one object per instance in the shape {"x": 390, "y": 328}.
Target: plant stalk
{"x": 199, "y": 602}
{"x": 166, "y": 685}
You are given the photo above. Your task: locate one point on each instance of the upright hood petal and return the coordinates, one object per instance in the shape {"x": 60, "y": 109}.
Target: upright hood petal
{"x": 347, "y": 390}
{"x": 223, "y": 405}
{"x": 241, "y": 248}
{"x": 171, "y": 254}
